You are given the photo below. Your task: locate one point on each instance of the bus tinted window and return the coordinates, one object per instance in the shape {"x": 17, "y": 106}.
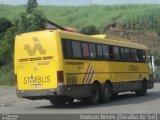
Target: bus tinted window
{"x": 134, "y": 54}
{"x": 77, "y": 53}
{"x": 122, "y": 52}
{"x": 85, "y": 50}
{"x": 127, "y": 54}
{"x": 106, "y": 51}
{"x": 67, "y": 48}
{"x": 141, "y": 55}
{"x": 92, "y": 51}
{"x": 116, "y": 53}
{"x": 99, "y": 51}
{"x": 144, "y": 56}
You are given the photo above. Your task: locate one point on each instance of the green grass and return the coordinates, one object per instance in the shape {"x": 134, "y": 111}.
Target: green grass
{"x": 134, "y": 16}
{"x": 6, "y": 76}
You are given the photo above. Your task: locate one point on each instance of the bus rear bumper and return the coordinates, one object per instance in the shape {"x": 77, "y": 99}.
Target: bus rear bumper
{"x": 75, "y": 91}
{"x": 36, "y": 94}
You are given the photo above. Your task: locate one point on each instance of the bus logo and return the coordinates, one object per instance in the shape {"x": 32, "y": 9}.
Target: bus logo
{"x": 37, "y": 47}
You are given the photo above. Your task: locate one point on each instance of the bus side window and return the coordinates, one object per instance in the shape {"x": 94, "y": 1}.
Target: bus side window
{"x": 85, "y": 50}
{"x": 92, "y": 51}
{"x": 76, "y": 46}
{"x": 106, "y": 51}
{"x": 141, "y": 55}
{"x": 116, "y": 53}
{"x": 134, "y": 55}
{"x": 144, "y": 56}
{"x": 127, "y": 54}
{"x": 149, "y": 59}
{"x": 99, "y": 51}
{"x": 67, "y": 48}
{"x": 122, "y": 52}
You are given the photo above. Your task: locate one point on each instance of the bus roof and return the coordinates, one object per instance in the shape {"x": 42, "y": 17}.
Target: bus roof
{"x": 101, "y": 40}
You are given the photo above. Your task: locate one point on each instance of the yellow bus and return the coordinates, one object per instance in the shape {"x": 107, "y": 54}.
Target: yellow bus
{"x": 61, "y": 66}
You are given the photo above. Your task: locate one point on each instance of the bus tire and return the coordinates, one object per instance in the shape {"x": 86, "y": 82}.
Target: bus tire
{"x": 69, "y": 100}
{"x": 95, "y": 95}
{"x": 143, "y": 90}
{"x": 106, "y": 93}
{"x": 57, "y": 101}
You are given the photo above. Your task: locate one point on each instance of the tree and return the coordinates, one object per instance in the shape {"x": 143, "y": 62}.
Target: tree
{"x": 33, "y": 21}
{"x": 6, "y": 46}
{"x": 4, "y": 25}
{"x": 89, "y": 30}
{"x": 31, "y": 5}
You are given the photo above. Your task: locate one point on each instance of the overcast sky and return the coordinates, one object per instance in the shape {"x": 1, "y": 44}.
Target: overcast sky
{"x": 81, "y": 2}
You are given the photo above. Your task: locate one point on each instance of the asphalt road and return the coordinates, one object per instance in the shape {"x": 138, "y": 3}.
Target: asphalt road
{"x": 124, "y": 103}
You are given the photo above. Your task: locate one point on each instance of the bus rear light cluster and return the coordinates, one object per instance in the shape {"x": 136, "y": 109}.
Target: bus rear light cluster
{"x": 60, "y": 77}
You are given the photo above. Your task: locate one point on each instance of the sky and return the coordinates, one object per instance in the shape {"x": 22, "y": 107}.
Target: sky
{"x": 81, "y": 2}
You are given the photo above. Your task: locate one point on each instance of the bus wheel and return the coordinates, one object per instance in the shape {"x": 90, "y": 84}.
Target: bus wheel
{"x": 95, "y": 94}
{"x": 58, "y": 101}
{"x": 143, "y": 90}
{"x": 69, "y": 100}
{"x": 106, "y": 94}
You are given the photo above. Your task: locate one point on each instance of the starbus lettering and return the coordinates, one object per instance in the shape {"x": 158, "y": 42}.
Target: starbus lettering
{"x": 133, "y": 68}
{"x": 36, "y": 79}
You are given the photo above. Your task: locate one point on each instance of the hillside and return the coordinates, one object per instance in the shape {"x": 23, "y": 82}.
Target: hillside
{"x": 99, "y": 15}
{"x": 140, "y": 23}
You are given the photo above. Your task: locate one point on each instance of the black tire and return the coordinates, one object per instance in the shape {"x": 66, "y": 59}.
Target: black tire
{"x": 106, "y": 93}
{"x": 95, "y": 95}
{"x": 58, "y": 101}
{"x": 69, "y": 100}
{"x": 143, "y": 90}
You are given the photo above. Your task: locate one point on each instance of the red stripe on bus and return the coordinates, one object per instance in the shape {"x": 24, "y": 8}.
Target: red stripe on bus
{"x": 84, "y": 79}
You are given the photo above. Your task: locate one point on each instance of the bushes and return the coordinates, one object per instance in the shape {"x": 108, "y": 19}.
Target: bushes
{"x": 89, "y": 30}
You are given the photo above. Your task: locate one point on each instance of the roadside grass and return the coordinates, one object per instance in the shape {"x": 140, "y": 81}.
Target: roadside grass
{"x": 6, "y": 76}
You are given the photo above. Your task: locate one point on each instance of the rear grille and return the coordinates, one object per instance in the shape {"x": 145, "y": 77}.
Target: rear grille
{"x": 71, "y": 81}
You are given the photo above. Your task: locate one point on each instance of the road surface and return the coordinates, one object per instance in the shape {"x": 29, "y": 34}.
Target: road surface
{"x": 124, "y": 103}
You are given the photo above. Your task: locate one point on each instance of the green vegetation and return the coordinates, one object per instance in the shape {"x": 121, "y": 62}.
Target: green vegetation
{"x": 87, "y": 19}
{"x": 141, "y": 17}
{"x": 7, "y": 76}
{"x": 89, "y": 30}
{"x": 31, "y": 5}
{"x": 30, "y": 20}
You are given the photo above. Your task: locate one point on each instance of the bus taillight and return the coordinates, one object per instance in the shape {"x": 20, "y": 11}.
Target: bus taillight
{"x": 60, "y": 76}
